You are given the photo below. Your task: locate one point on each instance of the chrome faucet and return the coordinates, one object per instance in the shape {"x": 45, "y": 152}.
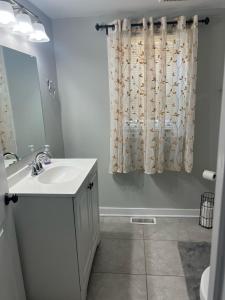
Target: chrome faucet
{"x": 37, "y": 164}
{"x": 42, "y": 157}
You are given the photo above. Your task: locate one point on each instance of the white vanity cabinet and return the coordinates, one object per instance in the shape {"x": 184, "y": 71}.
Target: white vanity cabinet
{"x": 58, "y": 236}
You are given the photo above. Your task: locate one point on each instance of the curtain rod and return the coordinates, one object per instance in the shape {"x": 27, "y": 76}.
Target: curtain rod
{"x": 112, "y": 26}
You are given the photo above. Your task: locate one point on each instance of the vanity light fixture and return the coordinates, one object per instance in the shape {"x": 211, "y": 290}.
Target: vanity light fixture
{"x": 38, "y": 34}
{"x": 7, "y": 16}
{"x": 23, "y": 24}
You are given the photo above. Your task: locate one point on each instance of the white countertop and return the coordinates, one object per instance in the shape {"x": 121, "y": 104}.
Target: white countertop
{"x": 22, "y": 183}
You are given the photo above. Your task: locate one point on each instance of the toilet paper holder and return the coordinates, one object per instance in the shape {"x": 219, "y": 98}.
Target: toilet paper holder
{"x": 206, "y": 210}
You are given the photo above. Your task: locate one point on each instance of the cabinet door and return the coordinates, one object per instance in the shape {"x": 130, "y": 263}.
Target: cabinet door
{"x": 47, "y": 243}
{"x": 83, "y": 233}
{"x": 94, "y": 208}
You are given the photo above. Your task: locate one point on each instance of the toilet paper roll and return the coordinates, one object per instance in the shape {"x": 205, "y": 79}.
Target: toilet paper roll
{"x": 209, "y": 175}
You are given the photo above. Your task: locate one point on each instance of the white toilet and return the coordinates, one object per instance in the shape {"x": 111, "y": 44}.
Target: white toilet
{"x": 204, "y": 284}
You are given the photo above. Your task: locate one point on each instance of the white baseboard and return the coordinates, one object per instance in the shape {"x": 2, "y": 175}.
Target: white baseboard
{"x": 147, "y": 212}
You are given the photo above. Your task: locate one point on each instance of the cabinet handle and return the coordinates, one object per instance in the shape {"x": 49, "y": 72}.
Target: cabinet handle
{"x": 10, "y": 197}
{"x": 90, "y": 186}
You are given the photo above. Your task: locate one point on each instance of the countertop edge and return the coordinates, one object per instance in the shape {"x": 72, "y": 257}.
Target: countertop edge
{"x": 64, "y": 195}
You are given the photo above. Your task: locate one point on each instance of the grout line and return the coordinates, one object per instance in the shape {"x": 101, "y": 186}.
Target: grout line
{"x": 120, "y": 238}
{"x": 134, "y": 274}
{"x": 117, "y": 273}
{"x": 166, "y": 275}
{"x": 108, "y": 237}
{"x": 146, "y": 277}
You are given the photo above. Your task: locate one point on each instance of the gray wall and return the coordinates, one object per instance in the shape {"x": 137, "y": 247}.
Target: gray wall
{"x": 47, "y": 70}
{"x": 81, "y": 57}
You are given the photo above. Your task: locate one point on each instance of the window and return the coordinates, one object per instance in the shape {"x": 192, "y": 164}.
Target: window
{"x": 174, "y": 70}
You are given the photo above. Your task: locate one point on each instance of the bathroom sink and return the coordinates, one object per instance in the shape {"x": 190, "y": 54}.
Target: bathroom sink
{"x": 61, "y": 177}
{"x": 58, "y": 174}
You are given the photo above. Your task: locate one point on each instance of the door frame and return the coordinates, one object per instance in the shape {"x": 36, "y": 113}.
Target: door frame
{"x": 217, "y": 272}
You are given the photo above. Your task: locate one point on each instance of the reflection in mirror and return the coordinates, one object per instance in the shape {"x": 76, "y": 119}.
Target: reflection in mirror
{"x": 21, "y": 119}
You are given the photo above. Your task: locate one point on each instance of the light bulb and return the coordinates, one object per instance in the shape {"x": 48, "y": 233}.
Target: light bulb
{"x": 39, "y": 34}
{"x": 23, "y": 24}
{"x": 7, "y": 16}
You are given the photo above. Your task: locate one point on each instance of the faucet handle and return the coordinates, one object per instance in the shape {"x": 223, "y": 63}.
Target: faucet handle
{"x": 36, "y": 167}
{"x": 34, "y": 170}
{"x": 39, "y": 166}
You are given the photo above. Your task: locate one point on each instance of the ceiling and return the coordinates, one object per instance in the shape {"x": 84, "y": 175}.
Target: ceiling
{"x": 85, "y": 8}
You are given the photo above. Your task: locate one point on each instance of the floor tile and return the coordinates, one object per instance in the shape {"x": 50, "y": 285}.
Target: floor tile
{"x": 163, "y": 258}
{"x": 116, "y": 219}
{"x": 117, "y": 287}
{"x": 167, "y": 288}
{"x": 168, "y": 220}
{"x": 190, "y": 230}
{"x": 164, "y": 230}
{"x": 121, "y": 230}
{"x": 122, "y": 253}
{"x": 120, "y": 256}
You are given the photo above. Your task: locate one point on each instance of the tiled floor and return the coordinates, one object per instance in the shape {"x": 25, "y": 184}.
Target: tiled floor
{"x": 142, "y": 262}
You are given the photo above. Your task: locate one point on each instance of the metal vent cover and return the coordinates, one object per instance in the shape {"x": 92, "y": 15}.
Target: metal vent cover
{"x": 172, "y": 0}
{"x": 136, "y": 220}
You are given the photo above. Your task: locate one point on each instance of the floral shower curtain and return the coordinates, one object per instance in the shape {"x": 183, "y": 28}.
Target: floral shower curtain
{"x": 7, "y": 132}
{"x": 152, "y": 80}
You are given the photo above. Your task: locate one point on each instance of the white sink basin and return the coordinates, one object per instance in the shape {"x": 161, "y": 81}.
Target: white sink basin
{"x": 61, "y": 177}
{"x": 58, "y": 174}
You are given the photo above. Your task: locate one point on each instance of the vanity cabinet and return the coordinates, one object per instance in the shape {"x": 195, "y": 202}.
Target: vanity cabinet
{"x": 57, "y": 237}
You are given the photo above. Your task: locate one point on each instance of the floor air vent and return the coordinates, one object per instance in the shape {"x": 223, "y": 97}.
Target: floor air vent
{"x": 143, "y": 221}
{"x": 172, "y": 0}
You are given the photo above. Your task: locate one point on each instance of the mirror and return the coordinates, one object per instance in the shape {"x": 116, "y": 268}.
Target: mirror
{"x": 21, "y": 118}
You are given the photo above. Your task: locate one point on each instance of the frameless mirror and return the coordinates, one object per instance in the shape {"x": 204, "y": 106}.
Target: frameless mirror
{"x": 21, "y": 119}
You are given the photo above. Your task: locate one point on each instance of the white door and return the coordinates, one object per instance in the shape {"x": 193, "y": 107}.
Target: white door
{"x": 217, "y": 274}
{"x": 11, "y": 281}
